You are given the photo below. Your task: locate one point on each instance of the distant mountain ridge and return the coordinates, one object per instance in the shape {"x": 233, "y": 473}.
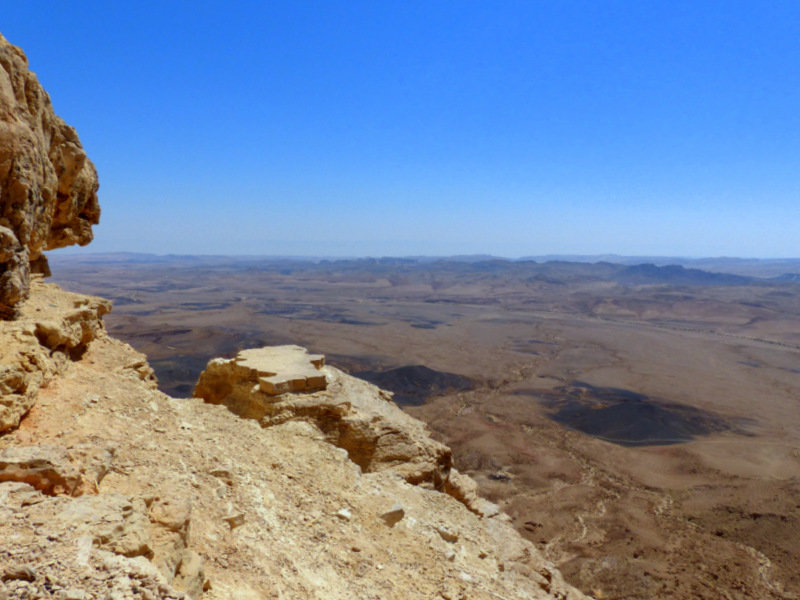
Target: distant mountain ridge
{"x": 677, "y": 275}
{"x": 777, "y": 269}
{"x": 429, "y": 269}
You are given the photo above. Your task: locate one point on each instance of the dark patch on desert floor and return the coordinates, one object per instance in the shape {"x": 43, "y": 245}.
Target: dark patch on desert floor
{"x": 205, "y": 305}
{"x": 558, "y": 356}
{"x": 629, "y": 418}
{"x": 414, "y": 384}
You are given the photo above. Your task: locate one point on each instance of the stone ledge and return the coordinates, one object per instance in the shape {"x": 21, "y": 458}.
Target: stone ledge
{"x": 283, "y": 369}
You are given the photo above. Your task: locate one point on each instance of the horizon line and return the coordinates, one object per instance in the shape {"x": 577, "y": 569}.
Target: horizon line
{"x": 72, "y": 252}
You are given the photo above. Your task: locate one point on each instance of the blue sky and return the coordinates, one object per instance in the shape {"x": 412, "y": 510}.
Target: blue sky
{"x": 397, "y": 128}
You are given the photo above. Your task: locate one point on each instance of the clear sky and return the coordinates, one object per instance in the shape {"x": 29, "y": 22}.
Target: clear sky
{"x": 397, "y": 128}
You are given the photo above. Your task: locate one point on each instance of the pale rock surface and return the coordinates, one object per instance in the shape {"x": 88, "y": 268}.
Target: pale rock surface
{"x": 90, "y": 547}
{"x": 46, "y": 468}
{"x": 48, "y": 187}
{"x": 353, "y": 414}
{"x": 281, "y": 369}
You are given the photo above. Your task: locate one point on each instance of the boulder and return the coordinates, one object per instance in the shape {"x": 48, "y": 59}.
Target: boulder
{"x": 114, "y": 522}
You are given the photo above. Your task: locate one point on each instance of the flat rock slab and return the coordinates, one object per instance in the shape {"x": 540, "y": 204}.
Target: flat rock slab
{"x": 284, "y": 369}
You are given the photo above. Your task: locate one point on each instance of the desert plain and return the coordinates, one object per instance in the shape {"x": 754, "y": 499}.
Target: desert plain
{"x": 639, "y": 423}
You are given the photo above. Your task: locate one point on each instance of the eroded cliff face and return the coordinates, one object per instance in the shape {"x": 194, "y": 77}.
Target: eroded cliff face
{"x": 48, "y": 187}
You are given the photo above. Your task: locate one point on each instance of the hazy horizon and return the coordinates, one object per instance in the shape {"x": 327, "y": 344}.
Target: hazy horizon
{"x": 92, "y": 251}
{"x": 396, "y": 129}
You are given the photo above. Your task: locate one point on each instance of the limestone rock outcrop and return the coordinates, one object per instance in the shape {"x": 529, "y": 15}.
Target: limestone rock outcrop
{"x": 96, "y": 546}
{"x": 51, "y": 328}
{"x": 48, "y": 186}
{"x": 353, "y": 414}
{"x": 273, "y": 369}
{"x": 55, "y": 470}
{"x": 52, "y": 497}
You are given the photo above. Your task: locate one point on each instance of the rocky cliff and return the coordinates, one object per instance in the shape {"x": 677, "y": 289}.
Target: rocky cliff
{"x": 48, "y": 187}
{"x": 283, "y": 479}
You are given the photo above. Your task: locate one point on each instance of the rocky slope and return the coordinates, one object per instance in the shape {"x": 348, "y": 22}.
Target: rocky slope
{"x": 291, "y": 489}
{"x": 111, "y": 489}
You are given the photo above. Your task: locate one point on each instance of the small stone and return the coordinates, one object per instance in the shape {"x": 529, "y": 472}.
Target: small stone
{"x": 84, "y": 544}
{"x": 447, "y": 534}
{"x": 235, "y": 520}
{"x": 394, "y": 515}
{"x": 344, "y": 514}
{"x": 18, "y": 572}
{"x": 222, "y": 473}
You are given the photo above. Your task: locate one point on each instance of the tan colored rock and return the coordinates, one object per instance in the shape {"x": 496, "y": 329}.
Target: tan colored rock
{"x": 52, "y": 328}
{"x": 48, "y": 187}
{"x": 394, "y": 515}
{"x": 465, "y": 489}
{"x": 353, "y": 414}
{"x": 46, "y": 468}
{"x": 283, "y": 369}
{"x": 114, "y": 522}
{"x": 18, "y": 572}
{"x": 88, "y": 547}
{"x": 170, "y": 518}
{"x": 273, "y": 369}
{"x": 190, "y": 575}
